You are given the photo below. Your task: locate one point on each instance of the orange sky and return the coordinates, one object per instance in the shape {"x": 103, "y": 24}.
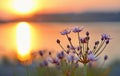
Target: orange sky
{"x": 8, "y": 11}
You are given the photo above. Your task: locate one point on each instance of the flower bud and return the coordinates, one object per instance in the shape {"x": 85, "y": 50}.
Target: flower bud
{"x": 68, "y": 46}
{"x": 88, "y": 48}
{"x": 41, "y": 53}
{"x": 44, "y": 63}
{"x": 105, "y": 57}
{"x": 102, "y": 38}
{"x": 94, "y": 47}
{"x": 68, "y": 51}
{"x": 97, "y": 42}
{"x": 58, "y": 41}
{"x": 107, "y": 42}
{"x": 87, "y": 33}
{"x": 50, "y": 53}
{"x": 69, "y": 38}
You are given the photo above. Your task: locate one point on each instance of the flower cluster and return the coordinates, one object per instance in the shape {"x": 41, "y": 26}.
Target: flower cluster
{"x": 82, "y": 53}
{"x": 72, "y": 55}
{"x": 75, "y": 54}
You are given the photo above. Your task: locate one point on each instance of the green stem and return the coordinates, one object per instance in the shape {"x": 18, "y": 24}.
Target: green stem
{"x": 48, "y": 74}
{"x": 37, "y": 70}
{"x": 85, "y": 70}
{"x": 27, "y": 71}
{"x": 14, "y": 72}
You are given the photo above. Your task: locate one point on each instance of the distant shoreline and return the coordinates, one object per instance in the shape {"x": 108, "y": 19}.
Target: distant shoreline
{"x": 55, "y": 21}
{"x": 70, "y": 17}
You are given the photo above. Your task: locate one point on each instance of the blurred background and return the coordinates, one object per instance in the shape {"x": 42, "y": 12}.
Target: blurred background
{"x": 31, "y": 25}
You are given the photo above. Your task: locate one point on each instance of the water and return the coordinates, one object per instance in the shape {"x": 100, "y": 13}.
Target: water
{"x": 44, "y": 36}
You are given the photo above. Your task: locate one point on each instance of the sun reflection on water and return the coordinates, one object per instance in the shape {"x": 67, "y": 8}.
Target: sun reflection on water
{"x": 23, "y": 40}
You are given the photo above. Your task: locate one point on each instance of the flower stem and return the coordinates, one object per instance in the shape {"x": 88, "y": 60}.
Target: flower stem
{"x": 85, "y": 70}
{"x": 102, "y": 42}
{"x": 27, "y": 71}
{"x": 101, "y": 50}
{"x": 79, "y": 39}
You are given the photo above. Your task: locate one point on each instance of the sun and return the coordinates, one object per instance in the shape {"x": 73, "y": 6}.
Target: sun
{"x": 24, "y": 6}
{"x": 23, "y": 40}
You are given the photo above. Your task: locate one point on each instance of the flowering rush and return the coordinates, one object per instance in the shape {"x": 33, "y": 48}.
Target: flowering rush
{"x": 82, "y": 53}
{"x": 72, "y": 55}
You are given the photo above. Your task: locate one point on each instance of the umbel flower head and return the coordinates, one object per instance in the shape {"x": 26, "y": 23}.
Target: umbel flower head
{"x": 65, "y": 32}
{"x": 77, "y": 29}
{"x": 82, "y": 53}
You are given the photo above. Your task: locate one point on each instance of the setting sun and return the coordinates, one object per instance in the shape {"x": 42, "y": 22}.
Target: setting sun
{"x": 23, "y": 40}
{"x": 24, "y": 6}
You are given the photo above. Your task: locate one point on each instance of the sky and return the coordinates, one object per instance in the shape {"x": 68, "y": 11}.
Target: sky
{"x": 15, "y": 8}
{"x": 11, "y": 9}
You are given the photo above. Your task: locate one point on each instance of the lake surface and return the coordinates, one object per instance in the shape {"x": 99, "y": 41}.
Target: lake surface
{"x": 44, "y": 35}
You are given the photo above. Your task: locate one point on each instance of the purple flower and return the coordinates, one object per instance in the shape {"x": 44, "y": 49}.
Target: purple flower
{"x": 65, "y": 32}
{"x": 90, "y": 52}
{"x": 72, "y": 58}
{"x": 61, "y": 55}
{"x": 49, "y": 59}
{"x": 54, "y": 61}
{"x": 71, "y": 48}
{"x": 77, "y": 29}
{"x": 44, "y": 63}
{"x": 105, "y": 37}
{"x": 81, "y": 53}
{"x": 83, "y": 40}
{"x": 91, "y": 56}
